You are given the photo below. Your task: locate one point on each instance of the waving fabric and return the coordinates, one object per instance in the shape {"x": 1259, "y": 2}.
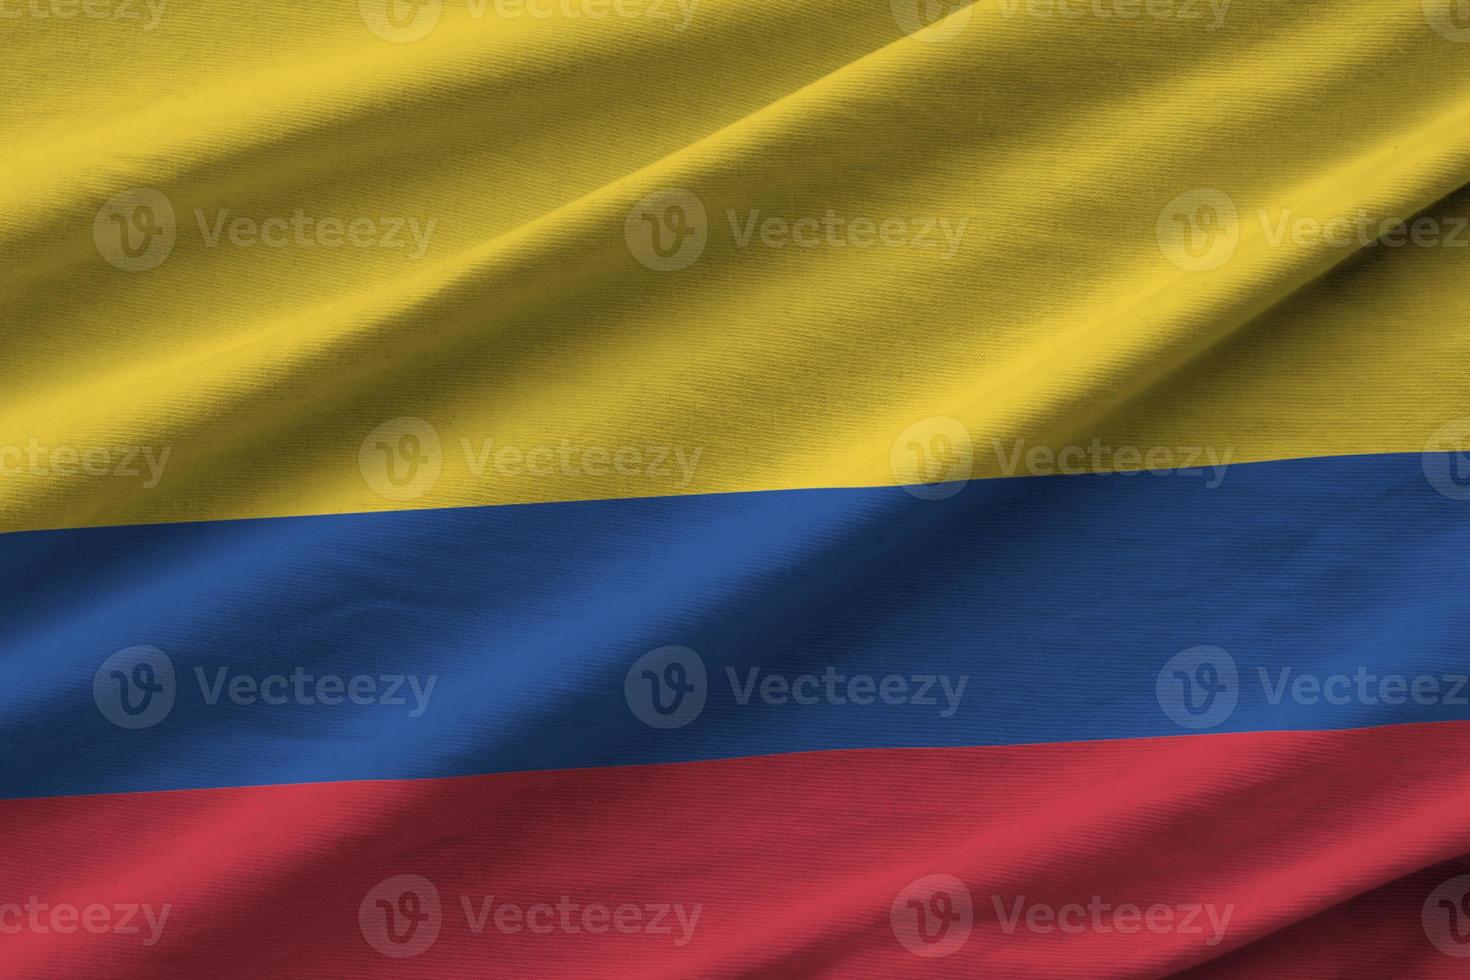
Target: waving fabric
{"x": 684, "y": 488}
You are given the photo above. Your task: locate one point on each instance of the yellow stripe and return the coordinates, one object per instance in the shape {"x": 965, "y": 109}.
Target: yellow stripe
{"x": 991, "y": 216}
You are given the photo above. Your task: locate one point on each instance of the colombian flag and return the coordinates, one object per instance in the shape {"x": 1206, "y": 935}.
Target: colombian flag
{"x": 734, "y": 488}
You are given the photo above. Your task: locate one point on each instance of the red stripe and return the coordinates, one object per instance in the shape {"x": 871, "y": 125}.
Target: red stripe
{"x": 1326, "y": 844}
{"x": 1374, "y": 935}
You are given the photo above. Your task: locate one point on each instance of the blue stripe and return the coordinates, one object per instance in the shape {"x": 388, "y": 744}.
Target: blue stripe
{"x": 1060, "y": 598}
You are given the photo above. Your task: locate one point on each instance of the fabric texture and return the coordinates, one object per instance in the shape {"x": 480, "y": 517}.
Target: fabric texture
{"x": 698, "y": 488}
